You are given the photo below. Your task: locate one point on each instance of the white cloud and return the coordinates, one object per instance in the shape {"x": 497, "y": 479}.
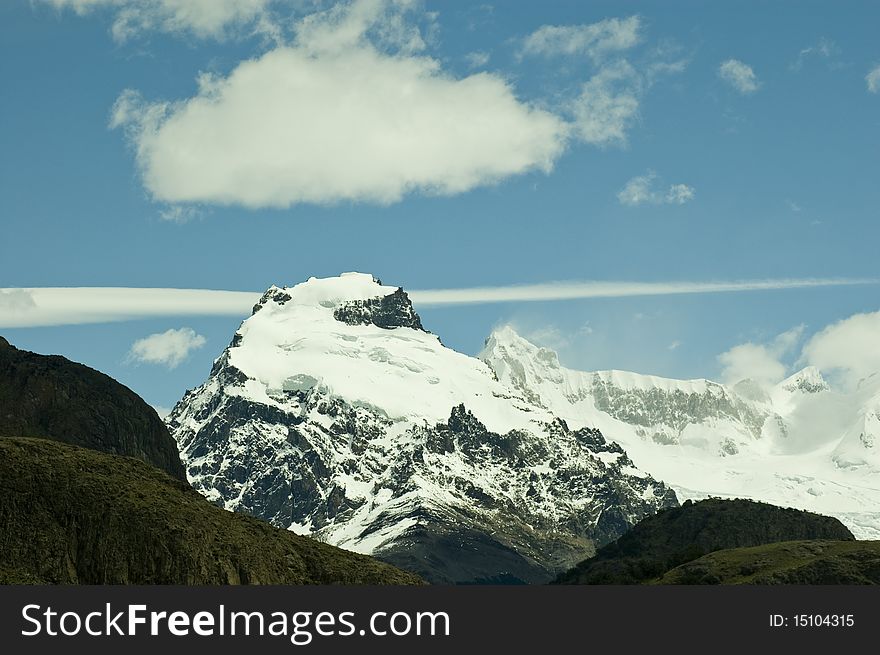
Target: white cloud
{"x": 638, "y": 191}
{"x": 81, "y": 305}
{"x": 679, "y": 194}
{"x": 849, "y": 348}
{"x": 201, "y": 18}
{"x": 386, "y": 23}
{"x": 352, "y": 110}
{"x": 45, "y": 306}
{"x": 674, "y": 345}
{"x": 180, "y": 213}
{"x": 793, "y": 206}
{"x": 642, "y": 190}
{"x": 169, "y": 348}
{"x": 578, "y": 290}
{"x": 335, "y": 118}
{"x": 607, "y": 105}
{"x": 739, "y": 75}
{"x": 873, "y": 80}
{"x": 759, "y": 362}
{"x": 595, "y": 40}
{"x": 477, "y": 59}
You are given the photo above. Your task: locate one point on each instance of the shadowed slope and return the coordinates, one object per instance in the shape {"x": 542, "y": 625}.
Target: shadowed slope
{"x": 72, "y": 515}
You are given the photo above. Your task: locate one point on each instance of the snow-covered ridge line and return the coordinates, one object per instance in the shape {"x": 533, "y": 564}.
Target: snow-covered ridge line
{"x": 797, "y": 444}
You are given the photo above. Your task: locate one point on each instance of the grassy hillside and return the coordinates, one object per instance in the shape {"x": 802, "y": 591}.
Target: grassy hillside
{"x": 674, "y": 536}
{"x": 789, "y": 562}
{"x": 51, "y": 397}
{"x": 72, "y": 515}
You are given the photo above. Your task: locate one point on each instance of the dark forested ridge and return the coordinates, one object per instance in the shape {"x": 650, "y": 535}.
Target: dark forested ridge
{"x": 675, "y": 536}
{"x": 51, "y": 397}
{"x": 76, "y": 516}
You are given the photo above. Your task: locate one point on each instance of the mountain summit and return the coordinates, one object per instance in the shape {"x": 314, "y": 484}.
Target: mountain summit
{"x": 335, "y": 414}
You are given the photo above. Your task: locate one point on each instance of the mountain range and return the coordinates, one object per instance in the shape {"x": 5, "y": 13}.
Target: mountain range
{"x": 335, "y": 414}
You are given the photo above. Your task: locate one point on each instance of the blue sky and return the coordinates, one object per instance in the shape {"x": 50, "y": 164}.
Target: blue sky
{"x": 776, "y": 162}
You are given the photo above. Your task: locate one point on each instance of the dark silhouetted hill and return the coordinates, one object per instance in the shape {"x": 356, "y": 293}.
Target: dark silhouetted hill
{"x": 76, "y": 516}
{"x": 678, "y": 535}
{"x": 50, "y": 397}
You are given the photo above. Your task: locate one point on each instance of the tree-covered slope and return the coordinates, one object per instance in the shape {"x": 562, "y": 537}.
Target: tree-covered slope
{"x": 51, "y": 397}
{"x": 71, "y": 515}
{"x": 790, "y": 562}
{"x": 678, "y": 535}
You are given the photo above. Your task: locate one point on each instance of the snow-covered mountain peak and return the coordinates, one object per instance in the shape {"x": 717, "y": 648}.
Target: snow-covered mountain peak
{"x": 332, "y": 412}
{"x": 807, "y": 380}
{"x": 506, "y": 339}
{"x": 328, "y": 292}
{"x": 509, "y": 353}
{"x": 352, "y": 339}
{"x": 352, "y": 298}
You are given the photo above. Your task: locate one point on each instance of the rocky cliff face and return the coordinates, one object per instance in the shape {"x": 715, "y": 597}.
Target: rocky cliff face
{"x": 54, "y": 398}
{"x": 333, "y": 413}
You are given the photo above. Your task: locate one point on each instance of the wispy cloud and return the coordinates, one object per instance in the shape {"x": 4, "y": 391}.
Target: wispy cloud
{"x": 79, "y": 305}
{"x": 873, "y": 80}
{"x": 169, "y": 348}
{"x": 595, "y": 40}
{"x": 642, "y": 190}
{"x": 548, "y": 336}
{"x": 739, "y": 75}
{"x": 607, "y": 105}
{"x": 579, "y": 290}
{"x": 204, "y": 19}
{"x": 824, "y": 49}
{"x": 477, "y": 59}
{"x": 181, "y": 213}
